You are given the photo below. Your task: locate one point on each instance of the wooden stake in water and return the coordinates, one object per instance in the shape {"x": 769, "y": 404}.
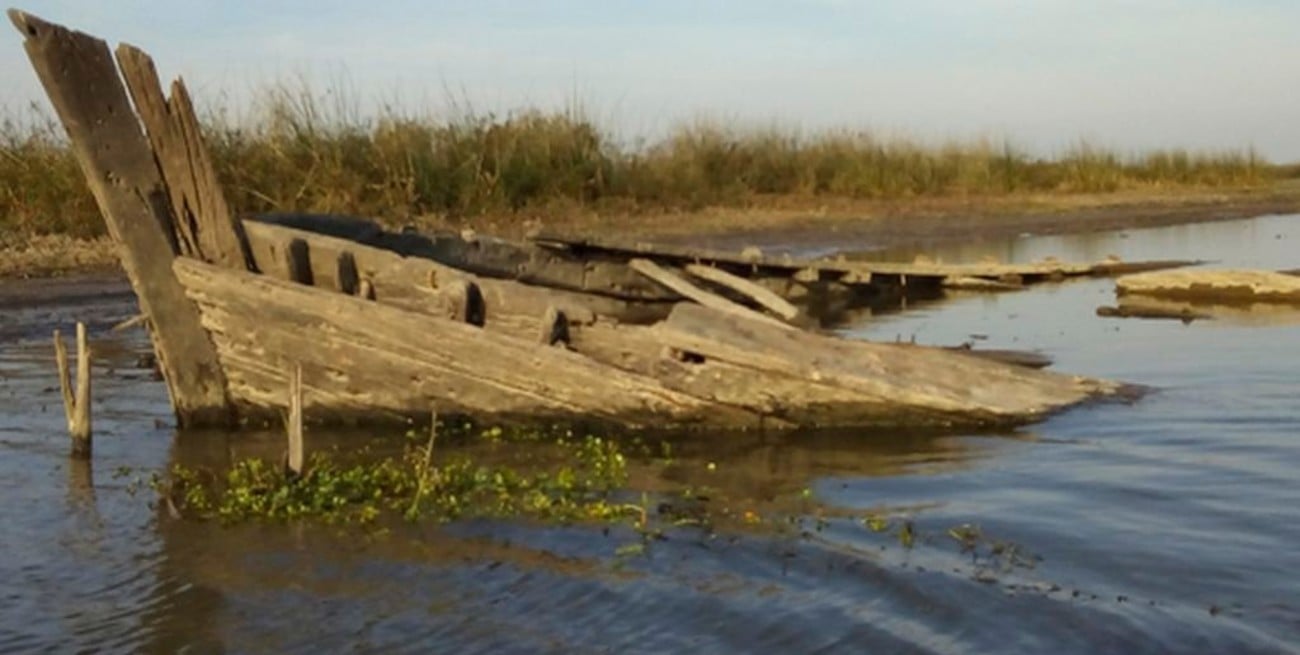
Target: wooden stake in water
{"x": 294, "y": 422}
{"x": 76, "y": 403}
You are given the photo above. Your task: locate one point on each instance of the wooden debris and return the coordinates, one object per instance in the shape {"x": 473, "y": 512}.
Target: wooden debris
{"x": 756, "y": 292}
{"x": 1183, "y": 313}
{"x": 685, "y": 288}
{"x": 980, "y": 284}
{"x": 205, "y": 227}
{"x": 1214, "y": 285}
{"x": 137, "y": 320}
{"x": 829, "y": 268}
{"x": 78, "y": 74}
{"x": 76, "y": 403}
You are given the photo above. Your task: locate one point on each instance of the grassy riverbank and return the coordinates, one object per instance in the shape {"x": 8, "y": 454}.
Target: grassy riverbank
{"x": 295, "y": 151}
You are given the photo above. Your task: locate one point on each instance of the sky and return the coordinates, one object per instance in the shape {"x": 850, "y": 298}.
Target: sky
{"x": 1043, "y": 74}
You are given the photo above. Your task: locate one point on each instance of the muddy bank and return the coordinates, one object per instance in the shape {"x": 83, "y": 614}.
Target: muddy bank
{"x": 931, "y": 223}
{"x": 807, "y": 225}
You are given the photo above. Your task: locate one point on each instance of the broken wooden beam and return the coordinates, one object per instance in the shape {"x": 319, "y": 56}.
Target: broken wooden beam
{"x": 79, "y": 76}
{"x": 752, "y": 290}
{"x": 679, "y": 285}
{"x": 205, "y": 226}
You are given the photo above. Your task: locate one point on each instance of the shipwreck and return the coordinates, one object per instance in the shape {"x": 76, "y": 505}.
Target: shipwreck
{"x": 385, "y": 324}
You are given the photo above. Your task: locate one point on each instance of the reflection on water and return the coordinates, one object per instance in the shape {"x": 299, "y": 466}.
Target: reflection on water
{"x": 1167, "y": 525}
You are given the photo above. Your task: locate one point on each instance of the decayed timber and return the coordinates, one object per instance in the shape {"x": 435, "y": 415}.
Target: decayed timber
{"x": 1232, "y": 312}
{"x": 1215, "y": 285}
{"x": 368, "y": 322}
{"x": 366, "y": 357}
{"x": 678, "y": 284}
{"x": 206, "y": 229}
{"x": 756, "y": 292}
{"x": 840, "y": 268}
{"x": 78, "y": 74}
{"x": 923, "y": 386}
{"x": 334, "y": 262}
{"x": 488, "y": 257}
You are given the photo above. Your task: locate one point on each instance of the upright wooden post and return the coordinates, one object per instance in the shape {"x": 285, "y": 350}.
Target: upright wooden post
{"x": 76, "y": 404}
{"x": 78, "y": 74}
{"x": 293, "y": 424}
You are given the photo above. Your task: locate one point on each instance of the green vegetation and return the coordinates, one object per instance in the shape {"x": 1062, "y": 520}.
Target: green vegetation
{"x": 577, "y": 486}
{"x": 302, "y": 151}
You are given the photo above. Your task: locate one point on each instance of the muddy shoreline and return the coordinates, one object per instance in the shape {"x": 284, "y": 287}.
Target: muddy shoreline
{"x": 856, "y": 226}
{"x": 909, "y": 228}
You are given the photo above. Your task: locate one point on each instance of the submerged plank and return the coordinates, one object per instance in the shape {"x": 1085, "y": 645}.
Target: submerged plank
{"x": 78, "y": 74}
{"x": 360, "y": 354}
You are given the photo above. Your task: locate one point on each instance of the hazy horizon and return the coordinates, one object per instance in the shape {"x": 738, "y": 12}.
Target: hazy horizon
{"x": 1202, "y": 74}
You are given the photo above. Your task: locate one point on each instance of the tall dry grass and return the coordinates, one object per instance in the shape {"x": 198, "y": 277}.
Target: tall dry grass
{"x": 303, "y": 151}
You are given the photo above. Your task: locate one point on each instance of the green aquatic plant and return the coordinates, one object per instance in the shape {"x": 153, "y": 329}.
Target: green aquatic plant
{"x": 580, "y": 486}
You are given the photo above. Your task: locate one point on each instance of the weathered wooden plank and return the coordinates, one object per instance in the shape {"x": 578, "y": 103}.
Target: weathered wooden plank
{"x": 752, "y": 290}
{"x": 1214, "y": 285}
{"x": 938, "y": 386}
{"x": 841, "y": 269}
{"x": 680, "y": 285}
{"x": 395, "y": 360}
{"x": 396, "y": 279}
{"x": 206, "y": 227}
{"x": 523, "y": 262}
{"x": 979, "y": 284}
{"x": 78, "y": 74}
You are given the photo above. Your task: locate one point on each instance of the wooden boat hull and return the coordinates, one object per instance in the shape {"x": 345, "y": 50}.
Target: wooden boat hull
{"x": 394, "y": 325}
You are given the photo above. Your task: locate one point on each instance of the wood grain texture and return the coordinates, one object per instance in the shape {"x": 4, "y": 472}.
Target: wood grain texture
{"x": 680, "y": 285}
{"x": 369, "y": 356}
{"x": 205, "y": 226}
{"x": 752, "y": 290}
{"x": 78, "y": 74}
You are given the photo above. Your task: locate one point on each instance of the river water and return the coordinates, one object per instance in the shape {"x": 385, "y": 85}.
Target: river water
{"x": 1168, "y": 525}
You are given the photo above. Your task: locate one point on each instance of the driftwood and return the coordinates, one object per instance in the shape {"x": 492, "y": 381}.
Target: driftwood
{"x": 76, "y": 403}
{"x": 78, "y": 74}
